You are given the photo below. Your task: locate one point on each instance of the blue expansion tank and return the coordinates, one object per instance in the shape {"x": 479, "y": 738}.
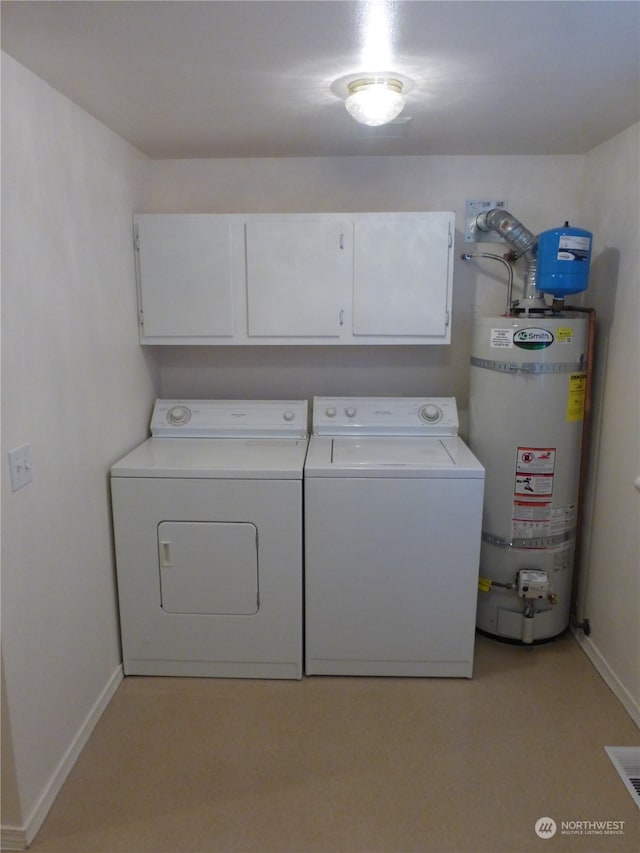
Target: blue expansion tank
{"x": 563, "y": 258}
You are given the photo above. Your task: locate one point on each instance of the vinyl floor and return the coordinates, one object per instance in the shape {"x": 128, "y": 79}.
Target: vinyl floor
{"x": 357, "y": 765}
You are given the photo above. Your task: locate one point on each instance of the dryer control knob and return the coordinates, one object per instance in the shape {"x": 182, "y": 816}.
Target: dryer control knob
{"x": 431, "y": 413}
{"x": 178, "y": 415}
{"x": 350, "y": 412}
{"x": 289, "y": 416}
{"x": 330, "y": 412}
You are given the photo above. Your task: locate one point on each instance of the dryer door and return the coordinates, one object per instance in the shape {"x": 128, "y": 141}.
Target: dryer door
{"x": 208, "y": 567}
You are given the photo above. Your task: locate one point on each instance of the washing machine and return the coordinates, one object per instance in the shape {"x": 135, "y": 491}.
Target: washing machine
{"x": 393, "y": 513}
{"x": 208, "y": 534}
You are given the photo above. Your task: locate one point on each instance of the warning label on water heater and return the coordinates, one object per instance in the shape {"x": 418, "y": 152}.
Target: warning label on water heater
{"x": 531, "y": 519}
{"x": 534, "y": 471}
{"x": 530, "y": 484}
{"x": 565, "y": 335}
{"x": 532, "y": 491}
{"x": 576, "y": 397}
{"x": 539, "y": 519}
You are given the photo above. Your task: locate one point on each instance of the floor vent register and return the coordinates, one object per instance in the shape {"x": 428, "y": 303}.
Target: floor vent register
{"x": 626, "y": 760}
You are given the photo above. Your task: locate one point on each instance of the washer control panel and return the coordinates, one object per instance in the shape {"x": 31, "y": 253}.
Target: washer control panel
{"x": 385, "y": 416}
{"x": 229, "y": 418}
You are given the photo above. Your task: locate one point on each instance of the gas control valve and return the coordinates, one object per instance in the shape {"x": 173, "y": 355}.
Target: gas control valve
{"x": 533, "y": 585}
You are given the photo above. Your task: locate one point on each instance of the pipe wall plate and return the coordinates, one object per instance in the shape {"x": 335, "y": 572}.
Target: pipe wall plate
{"x": 472, "y": 208}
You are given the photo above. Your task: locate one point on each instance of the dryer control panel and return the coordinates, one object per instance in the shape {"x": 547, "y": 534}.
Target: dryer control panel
{"x": 429, "y": 416}
{"x": 230, "y": 418}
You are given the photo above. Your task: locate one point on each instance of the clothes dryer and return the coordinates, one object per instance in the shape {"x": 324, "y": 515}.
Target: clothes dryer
{"x": 393, "y": 512}
{"x": 208, "y": 537}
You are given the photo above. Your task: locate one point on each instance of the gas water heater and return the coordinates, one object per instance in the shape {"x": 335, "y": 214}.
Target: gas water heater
{"x": 526, "y": 409}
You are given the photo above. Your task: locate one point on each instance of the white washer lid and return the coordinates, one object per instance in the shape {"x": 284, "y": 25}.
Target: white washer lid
{"x": 390, "y": 451}
{"x": 389, "y": 456}
{"x": 215, "y": 458}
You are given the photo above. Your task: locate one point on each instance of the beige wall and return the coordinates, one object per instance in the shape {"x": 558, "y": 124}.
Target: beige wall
{"x": 611, "y": 585}
{"x": 79, "y": 390}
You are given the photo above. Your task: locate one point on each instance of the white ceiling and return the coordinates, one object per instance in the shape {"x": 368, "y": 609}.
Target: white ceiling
{"x": 252, "y": 79}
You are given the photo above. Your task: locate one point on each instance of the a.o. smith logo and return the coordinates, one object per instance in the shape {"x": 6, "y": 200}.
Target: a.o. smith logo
{"x": 533, "y": 338}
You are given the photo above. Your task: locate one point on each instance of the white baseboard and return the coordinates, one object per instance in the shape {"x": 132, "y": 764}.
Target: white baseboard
{"x": 19, "y": 838}
{"x": 13, "y": 838}
{"x": 613, "y": 682}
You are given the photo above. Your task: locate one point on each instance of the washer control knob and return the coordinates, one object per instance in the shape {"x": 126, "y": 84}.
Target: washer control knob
{"x": 350, "y": 412}
{"x": 288, "y": 416}
{"x": 330, "y": 411}
{"x": 431, "y": 413}
{"x": 178, "y": 415}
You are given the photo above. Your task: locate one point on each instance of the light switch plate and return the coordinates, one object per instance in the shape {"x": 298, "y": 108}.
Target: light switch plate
{"x": 20, "y": 467}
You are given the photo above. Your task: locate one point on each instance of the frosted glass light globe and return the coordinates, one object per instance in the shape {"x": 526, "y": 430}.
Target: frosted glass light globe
{"x": 375, "y": 102}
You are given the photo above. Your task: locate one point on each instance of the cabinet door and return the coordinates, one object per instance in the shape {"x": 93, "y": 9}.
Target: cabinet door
{"x": 402, "y": 275}
{"x": 296, "y": 270}
{"x": 184, "y": 270}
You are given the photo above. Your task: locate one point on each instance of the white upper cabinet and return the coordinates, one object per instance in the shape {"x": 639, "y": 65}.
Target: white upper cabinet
{"x": 324, "y": 278}
{"x": 297, "y": 276}
{"x": 401, "y": 275}
{"x": 185, "y": 277}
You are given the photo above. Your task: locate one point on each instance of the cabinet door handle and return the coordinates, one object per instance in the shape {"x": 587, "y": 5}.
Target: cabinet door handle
{"x": 342, "y": 317}
{"x": 342, "y": 241}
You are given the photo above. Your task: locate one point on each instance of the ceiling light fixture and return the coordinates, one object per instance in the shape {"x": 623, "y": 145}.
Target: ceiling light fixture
{"x": 374, "y": 100}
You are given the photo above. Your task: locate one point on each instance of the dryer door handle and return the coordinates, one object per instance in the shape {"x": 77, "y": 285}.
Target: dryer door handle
{"x": 165, "y": 554}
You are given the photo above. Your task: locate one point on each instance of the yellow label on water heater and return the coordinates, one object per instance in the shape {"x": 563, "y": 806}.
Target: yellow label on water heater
{"x": 564, "y": 335}
{"x": 575, "y": 398}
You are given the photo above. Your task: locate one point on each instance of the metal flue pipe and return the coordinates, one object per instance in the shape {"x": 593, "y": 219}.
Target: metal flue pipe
{"x": 523, "y": 242}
